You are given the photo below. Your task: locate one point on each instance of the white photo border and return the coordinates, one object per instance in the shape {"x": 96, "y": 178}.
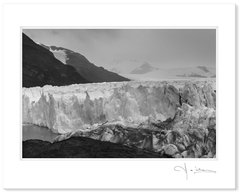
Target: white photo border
{"x": 119, "y": 173}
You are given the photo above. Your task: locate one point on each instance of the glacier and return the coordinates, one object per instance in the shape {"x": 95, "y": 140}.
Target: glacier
{"x": 173, "y": 117}
{"x": 82, "y": 106}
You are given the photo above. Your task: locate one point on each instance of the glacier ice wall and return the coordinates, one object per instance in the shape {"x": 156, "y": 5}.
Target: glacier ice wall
{"x": 192, "y": 134}
{"x": 70, "y": 108}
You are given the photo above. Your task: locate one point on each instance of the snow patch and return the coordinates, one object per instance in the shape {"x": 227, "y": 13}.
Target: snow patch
{"x": 60, "y": 55}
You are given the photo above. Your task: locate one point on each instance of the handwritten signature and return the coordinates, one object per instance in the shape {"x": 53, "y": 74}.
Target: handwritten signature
{"x": 195, "y": 170}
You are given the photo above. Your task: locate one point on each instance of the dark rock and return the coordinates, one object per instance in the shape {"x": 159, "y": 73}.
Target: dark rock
{"x": 80, "y": 147}
{"x": 40, "y": 67}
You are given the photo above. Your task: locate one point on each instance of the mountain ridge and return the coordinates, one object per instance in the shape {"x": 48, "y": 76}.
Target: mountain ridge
{"x": 84, "y": 67}
{"x": 40, "y": 67}
{"x": 58, "y": 66}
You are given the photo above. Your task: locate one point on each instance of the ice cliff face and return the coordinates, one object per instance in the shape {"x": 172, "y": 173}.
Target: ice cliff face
{"x": 69, "y": 108}
{"x": 191, "y": 134}
{"x": 173, "y": 118}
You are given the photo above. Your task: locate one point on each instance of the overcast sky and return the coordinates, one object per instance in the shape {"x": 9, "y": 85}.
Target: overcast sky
{"x": 164, "y": 48}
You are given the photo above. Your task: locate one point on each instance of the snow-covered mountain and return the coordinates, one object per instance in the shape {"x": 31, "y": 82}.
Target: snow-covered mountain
{"x": 143, "y": 69}
{"x": 124, "y": 66}
{"x": 175, "y": 73}
{"x": 139, "y": 70}
{"x": 197, "y": 72}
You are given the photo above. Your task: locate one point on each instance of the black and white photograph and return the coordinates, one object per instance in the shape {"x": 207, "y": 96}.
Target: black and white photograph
{"x": 118, "y": 93}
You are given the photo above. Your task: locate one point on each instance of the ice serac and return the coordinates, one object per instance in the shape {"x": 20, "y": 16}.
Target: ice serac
{"x": 83, "y": 106}
{"x": 198, "y": 96}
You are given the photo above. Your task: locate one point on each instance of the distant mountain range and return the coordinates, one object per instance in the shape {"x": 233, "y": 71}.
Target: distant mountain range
{"x": 175, "y": 73}
{"x": 198, "y": 72}
{"x": 130, "y": 66}
{"x": 51, "y": 65}
{"x": 144, "y": 68}
{"x": 140, "y": 70}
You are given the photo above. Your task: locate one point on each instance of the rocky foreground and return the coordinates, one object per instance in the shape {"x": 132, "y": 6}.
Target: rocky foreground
{"x": 80, "y": 147}
{"x": 176, "y": 119}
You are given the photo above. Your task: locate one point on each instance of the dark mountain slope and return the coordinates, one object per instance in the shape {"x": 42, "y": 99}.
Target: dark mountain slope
{"x": 40, "y": 67}
{"x": 80, "y": 147}
{"x": 87, "y": 69}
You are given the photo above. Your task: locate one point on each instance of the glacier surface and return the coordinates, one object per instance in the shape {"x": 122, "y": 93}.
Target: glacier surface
{"x": 83, "y": 106}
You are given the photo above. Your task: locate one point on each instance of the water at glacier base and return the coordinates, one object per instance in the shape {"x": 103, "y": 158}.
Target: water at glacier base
{"x": 30, "y": 131}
